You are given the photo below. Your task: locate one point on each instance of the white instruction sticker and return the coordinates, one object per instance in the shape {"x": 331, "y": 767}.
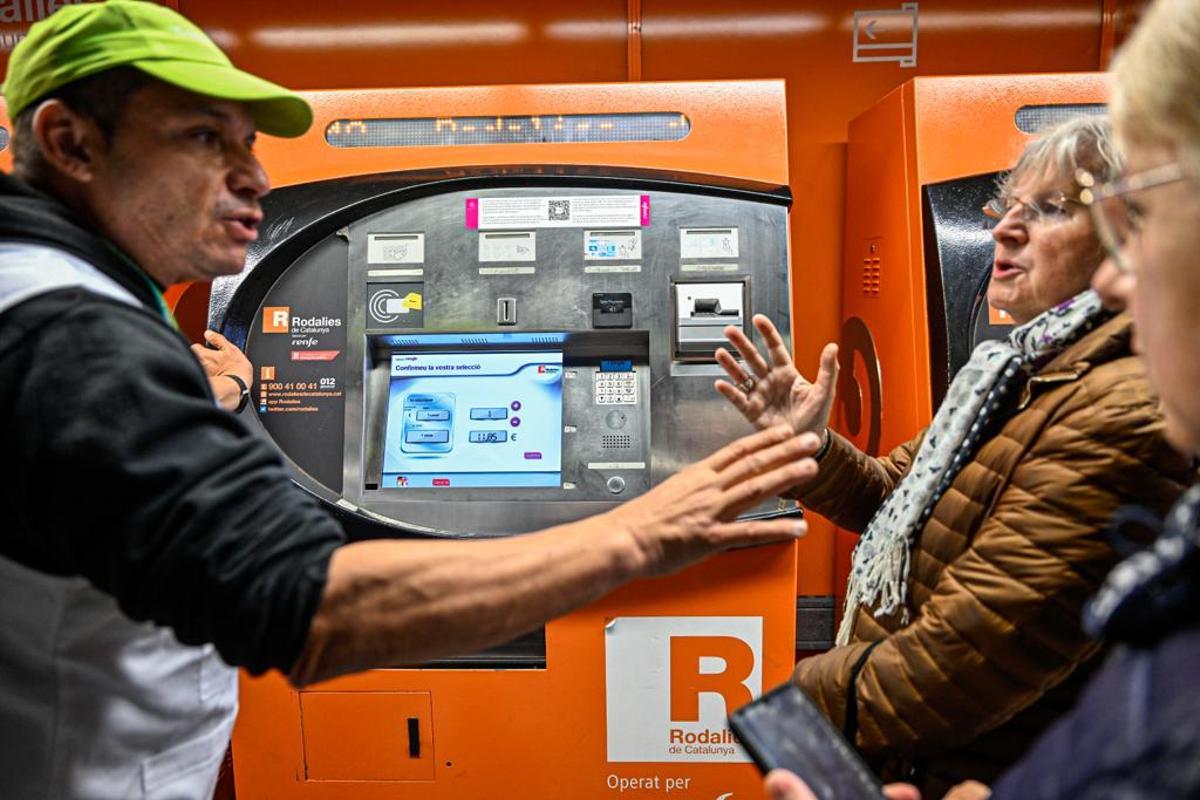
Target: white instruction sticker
{"x": 612, "y": 245}
{"x": 506, "y": 213}
{"x": 708, "y": 242}
{"x": 505, "y": 246}
{"x": 395, "y": 248}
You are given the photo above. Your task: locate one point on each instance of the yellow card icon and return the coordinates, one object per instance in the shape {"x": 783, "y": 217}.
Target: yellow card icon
{"x": 412, "y": 301}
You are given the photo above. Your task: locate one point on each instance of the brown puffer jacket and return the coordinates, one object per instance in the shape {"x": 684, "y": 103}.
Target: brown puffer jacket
{"x": 999, "y": 573}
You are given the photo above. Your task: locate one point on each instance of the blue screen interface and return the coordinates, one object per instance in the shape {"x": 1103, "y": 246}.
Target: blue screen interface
{"x": 474, "y": 419}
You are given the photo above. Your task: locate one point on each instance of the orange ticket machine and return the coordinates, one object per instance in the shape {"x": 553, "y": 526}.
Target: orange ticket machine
{"x": 483, "y": 311}
{"x": 918, "y": 251}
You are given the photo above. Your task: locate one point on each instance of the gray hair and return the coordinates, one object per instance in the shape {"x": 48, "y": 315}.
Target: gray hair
{"x": 1059, "y": 151}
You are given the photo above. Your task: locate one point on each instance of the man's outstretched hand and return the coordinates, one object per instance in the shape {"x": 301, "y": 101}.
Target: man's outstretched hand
{"x": 693, "y": 514}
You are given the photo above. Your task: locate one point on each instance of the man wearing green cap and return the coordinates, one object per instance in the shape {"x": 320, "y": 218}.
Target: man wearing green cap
{"x": 149, "y": 537}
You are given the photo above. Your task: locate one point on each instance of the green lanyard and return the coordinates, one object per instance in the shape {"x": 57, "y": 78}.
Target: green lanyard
{"x": 159, "y": 300}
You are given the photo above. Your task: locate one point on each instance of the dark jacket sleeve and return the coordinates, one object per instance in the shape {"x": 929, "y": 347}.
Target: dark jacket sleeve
{"x": 121, "y": 469}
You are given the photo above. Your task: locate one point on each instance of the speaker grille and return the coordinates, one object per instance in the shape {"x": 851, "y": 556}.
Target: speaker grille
{"x": 872, "y": 267}
{"x": 616, "y": 441}
{"x": 1031, "y": 119}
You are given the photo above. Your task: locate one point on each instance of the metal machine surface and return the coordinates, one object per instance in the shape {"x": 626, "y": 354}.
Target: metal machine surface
{"x": 918, "y": 249}
{"x": 463, "y": 332}
{"x": 628, "y": 300}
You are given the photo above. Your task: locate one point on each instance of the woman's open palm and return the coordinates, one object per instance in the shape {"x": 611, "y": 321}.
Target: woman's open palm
{"x": 774, "y": 392}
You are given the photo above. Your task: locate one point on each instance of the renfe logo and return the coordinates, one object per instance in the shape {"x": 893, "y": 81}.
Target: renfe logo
{"x": 275, "y": 319}
{"x": 672, "y": 681}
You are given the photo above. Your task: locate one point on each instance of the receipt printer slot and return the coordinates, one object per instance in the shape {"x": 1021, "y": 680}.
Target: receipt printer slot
{"x": 702, "y": 311}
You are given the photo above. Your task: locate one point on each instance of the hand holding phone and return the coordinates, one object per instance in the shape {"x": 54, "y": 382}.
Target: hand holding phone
{"x": 784, "y": 730}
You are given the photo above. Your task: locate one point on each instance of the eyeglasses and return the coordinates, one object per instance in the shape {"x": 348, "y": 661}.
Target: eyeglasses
{"x": 1052, "y": 209}
{"x": 1118, "y": 217}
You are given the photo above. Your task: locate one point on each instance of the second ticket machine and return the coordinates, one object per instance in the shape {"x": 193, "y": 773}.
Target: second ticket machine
{"x": 921, "y": 164}
{"x": 481, "y": 312}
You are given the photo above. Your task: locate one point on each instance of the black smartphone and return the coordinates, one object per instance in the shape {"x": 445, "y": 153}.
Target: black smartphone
{"x": 784, "y": 730}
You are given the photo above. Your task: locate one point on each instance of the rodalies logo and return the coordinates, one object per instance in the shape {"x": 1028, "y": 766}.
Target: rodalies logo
{"x": 277, "y": 319}
{"x": 672, "y": 681}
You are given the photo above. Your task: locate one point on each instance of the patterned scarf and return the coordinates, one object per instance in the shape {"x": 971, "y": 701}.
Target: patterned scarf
{"x": 1152, "y": 592}
{"x": 978, "y": 396}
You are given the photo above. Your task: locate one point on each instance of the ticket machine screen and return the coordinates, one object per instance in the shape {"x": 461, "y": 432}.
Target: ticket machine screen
{"x": 473, "y": 419}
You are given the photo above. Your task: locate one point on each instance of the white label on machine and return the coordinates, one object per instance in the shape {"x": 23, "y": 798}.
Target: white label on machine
{"x": 708, "y": 267}
{"x": 670, "y": 683}
{"x": 612, "y": 245}
{"x": 614, "y": 210}
{"x": 515, "y": 246}
{"x": 395, "y": 248}
{"x": 708, "y": 242}
{"x": 611, "y": 268}
{"x": 507, "y": 270}
{"x": 395, "y": 273}
{"x": 610, "y": 465}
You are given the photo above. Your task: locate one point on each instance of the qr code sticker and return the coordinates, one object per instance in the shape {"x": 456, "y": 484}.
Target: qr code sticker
{"x": 560, "y": 210}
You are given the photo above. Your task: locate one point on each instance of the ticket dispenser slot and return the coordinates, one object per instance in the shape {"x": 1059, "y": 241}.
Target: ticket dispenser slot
{"x": 702, "y": 312}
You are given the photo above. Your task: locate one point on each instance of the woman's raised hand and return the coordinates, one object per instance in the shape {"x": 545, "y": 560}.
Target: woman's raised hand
{"x": 774, "y": 392}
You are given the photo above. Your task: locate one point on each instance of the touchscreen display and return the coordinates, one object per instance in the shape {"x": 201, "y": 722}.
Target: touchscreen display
{"x": 473, "y": 419}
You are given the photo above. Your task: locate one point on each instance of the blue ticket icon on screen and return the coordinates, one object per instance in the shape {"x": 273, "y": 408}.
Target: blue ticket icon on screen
{"x": 428, "y": 423}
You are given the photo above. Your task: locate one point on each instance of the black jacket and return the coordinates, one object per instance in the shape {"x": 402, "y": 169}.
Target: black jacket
{"x": 119, "y": 467}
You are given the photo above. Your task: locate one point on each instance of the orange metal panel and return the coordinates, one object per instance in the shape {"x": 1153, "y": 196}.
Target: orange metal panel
{"x": 723, "y": 116}
{"x": 366, "y": 736}
{"x": 519, "y": 733}
{"x": 882, "y": 196}
{"x": 948, "y": 146}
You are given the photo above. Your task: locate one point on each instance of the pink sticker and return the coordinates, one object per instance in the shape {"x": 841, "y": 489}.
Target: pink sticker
{"x": 314, "y": 355}
{"x": 645, "y": 210}
{"x": 473, "y": 213}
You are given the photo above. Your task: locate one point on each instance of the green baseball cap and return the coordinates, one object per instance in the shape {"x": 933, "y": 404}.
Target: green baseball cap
{"x": 81, "y": 40}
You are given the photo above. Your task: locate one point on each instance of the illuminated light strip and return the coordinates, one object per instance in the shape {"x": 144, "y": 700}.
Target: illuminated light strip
{"x": 725, "y": 25}
{"x": 323, "y": 37}
{"x": 654, "y": 126}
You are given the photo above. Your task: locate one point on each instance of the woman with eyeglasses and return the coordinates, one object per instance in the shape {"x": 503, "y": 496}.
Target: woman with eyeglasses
{"x": 982, "y": 537}
{"x": 1136, "y": 730}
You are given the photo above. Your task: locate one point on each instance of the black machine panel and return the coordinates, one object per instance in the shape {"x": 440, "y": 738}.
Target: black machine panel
{"x": 958, "y": 266}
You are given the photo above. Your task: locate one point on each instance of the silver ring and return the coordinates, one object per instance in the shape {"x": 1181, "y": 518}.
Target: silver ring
{"x": 747, "y": 385}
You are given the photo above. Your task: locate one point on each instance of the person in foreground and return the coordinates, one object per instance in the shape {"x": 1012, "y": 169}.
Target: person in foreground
{"x": 984, "y": 535}
{"x": 1136, "y": 730}
{"x": 149, "y": 537}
